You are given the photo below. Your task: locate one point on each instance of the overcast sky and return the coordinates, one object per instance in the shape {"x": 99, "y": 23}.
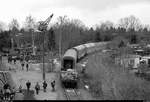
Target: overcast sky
{"x": 91, "y": 12}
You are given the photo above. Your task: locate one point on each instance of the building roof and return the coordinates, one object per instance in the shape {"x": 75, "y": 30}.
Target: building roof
{"x": 130, "y": 56}
{"x": 146, "y": 57}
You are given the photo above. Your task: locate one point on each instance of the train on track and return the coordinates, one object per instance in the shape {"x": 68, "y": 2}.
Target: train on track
{"x": 69, "y": 74}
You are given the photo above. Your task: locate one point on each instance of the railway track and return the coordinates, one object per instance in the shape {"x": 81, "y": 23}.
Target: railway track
{"x": 72, "y": 94}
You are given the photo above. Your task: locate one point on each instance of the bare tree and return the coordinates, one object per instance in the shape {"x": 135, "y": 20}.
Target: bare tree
{"x": 105, "y": 25}
{"x": 14, "y": 28}
{"x": 2, "y": 26}
{"x": 130, "y": 23}
{"x": 14, "y": 25}
{"x": 29, "y": 23}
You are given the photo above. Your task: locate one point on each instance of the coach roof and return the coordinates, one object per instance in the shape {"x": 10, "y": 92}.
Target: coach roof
{"x": 80, "y": 47}
{"x": 70, "y": 53}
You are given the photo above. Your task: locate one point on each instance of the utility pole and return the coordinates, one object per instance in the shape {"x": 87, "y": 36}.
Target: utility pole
{"x": 43, "y": 57}
{"x": 12, "y": 44}
{"x": 60, "y": 45}
{"x": 33, "y": 47}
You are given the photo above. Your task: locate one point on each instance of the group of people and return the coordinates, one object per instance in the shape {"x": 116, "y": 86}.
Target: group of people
{"x": 7, "y": 93}
{"x": 23, "y": 64}
{"x": 37, "y": 86}
{"x": 21, "y": 61}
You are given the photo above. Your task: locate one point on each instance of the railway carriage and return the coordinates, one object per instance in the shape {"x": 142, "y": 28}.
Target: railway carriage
{"x": 69, "y": 75}
{"x": 100, "y": 46}
{"x": 81, "y": 51}
{"x": 68, "y": 70}
{"x": 69, "y": 59}
{"x": 90, "y": 47}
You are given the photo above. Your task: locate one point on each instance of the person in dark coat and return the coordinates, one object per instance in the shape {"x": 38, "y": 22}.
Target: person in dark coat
{"x": 15, "y": 61}
{"x": 27, "y": 66}
{"x": 7, "y": 93}
{"x": 20, "y": 89}
{"x": 1, "y": 94}
{"x": 28, "y": 84}
{"x": 53, "y": 85}
{"x": 13, "y": 93}
{"x": 6, "y": 86}
{"x": 37, "y": 88}
{"x": 44, "y": 86}
{"x": 22, "y": 64}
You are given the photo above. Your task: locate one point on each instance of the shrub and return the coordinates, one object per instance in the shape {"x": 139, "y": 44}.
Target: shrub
{"x": 113, "y": 82}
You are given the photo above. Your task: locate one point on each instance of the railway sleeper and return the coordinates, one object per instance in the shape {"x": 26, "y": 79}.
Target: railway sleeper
{"x": 70, "y": 84}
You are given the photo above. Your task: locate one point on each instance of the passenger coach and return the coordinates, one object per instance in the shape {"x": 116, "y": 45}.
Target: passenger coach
{"x": 69, "y": 60}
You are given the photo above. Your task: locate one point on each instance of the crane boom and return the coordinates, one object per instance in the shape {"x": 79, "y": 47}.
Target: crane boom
{"x": 44, "y": 24}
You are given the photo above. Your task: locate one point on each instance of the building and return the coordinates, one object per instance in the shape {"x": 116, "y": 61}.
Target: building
{"x": 127, "y": 61}
{"x": 146, "y": 59}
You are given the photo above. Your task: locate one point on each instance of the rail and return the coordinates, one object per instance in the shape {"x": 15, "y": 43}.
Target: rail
{"x": 72, "y": 94}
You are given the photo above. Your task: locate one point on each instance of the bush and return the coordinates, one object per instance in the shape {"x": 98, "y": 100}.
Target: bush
{"x": 112, "y": 82}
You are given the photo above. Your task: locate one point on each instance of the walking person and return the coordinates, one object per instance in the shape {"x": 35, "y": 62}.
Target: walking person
{"x": 22, "y": 64}
{"x": 5, "y": 87}
{"x": 15, "y": 61}
{"x": 7, "y": 93}
{"x": 12, "y": 94}
{"x": 37, "y": 88}
{"x": 44, "y": 86}
{"x": 28, "y": 84}
{"x": 1, "y": 95}
{"x": 20, "y": 89}
{"x": 27, "y": 66}
{"x": 53, "y": 85}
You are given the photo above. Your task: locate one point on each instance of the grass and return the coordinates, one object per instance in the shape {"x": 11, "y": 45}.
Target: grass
{"x": 108, "y": 81}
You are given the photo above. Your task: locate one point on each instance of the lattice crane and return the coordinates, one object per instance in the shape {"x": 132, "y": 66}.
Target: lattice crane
{"x": 44, "y": 24}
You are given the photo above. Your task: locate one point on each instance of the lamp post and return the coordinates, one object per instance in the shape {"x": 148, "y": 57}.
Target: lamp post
{"x": 43, "y": 56}
{"x": 43, "y": 27}
{"x": 33, "y": 38}
{"x": 60, "y": 38}
{"x": 43, "y": 74}
{"x": 19, "y": 35}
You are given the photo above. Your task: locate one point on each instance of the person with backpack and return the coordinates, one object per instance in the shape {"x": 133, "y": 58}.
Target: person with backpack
{"x": 44, "y": 86}
{"x": 37, "y": 88}
{"x": 28, "y": 84}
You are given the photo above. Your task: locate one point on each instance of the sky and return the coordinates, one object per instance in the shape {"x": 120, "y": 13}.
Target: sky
{"x": 90, "y": 12}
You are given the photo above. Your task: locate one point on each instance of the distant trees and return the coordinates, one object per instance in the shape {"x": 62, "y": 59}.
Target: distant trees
{"x": 14, "y": 25}
{"x": 73, "y": 32}
{"x": 130, "y": 23}
{"x": 70, "y": 32}
{"x": 29, "y": 23}
{"x": 105, "y": 31}
{"x": 14, "y": 28}
{"x": 5, "y": 40}
{"x": 2, "y": 26}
